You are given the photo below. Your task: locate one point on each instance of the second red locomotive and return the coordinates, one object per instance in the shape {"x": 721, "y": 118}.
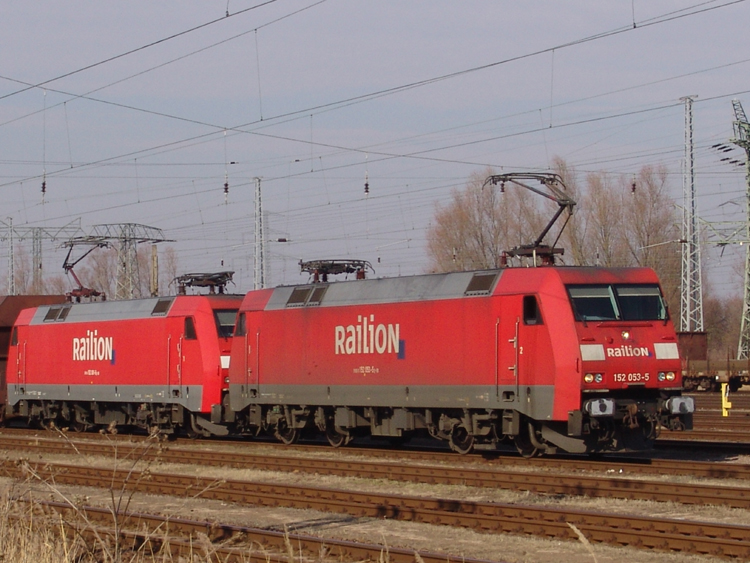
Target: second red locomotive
{"x": 577, "y": 359}
{"x": 157, "y": 363}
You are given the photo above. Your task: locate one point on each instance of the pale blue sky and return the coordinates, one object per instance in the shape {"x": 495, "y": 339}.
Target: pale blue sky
{"x": 312, "y": 97}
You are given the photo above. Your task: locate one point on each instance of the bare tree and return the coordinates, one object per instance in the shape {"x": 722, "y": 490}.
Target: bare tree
{"x": 467, "y": 233}
{"x": 652, "y": 231}
{"x": 721, "y": 318}
{"x": 55, "y": 285}
{"x": 168, "y": 269}
{"x": 22, "y": 270}
{"x": 574, "y": 238}
{"x": 99, "y": 271}
{"x": 603, "y": 208}
{"x": 480, "y": 222}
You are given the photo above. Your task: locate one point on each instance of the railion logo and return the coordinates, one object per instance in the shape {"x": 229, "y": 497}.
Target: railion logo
{"x": 93, "y": 347}
{"x": 628, "y": 352}
{"x": 366, "y": 337}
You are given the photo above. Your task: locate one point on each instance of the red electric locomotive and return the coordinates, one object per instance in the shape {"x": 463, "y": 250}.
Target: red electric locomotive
{"x": 576, "y": 359}
{"x": 158, "y": 363}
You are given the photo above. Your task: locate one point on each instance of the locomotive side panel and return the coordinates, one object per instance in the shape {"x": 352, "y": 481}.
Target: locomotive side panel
{"x": 410, "y": 354}
{"x": 129, "y": 360}
{"x": 387, "y": 346}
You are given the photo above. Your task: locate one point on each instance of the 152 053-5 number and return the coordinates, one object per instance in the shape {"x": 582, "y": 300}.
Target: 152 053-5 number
{"x": 631, "y": 377}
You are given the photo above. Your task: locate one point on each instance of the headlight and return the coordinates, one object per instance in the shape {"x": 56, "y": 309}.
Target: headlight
{"x": 670, "y": 376}
{"x": 588, "y": 378}
{"x": 661, "y": 376}
{"x": 598, "y": 378}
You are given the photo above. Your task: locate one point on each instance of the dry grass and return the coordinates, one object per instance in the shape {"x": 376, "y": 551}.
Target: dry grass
{"x": 32, "y": 533}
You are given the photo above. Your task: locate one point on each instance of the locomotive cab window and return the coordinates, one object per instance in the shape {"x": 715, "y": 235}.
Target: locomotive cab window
{"x": 593, "y": 302}
{"x": 190, "y": 333}
{"x": 531, "y": 313}
{"x": 14, "y": 336}
{"x": 225, "y": 319}
{"x": 641, "y": 302}
{"x": 617, "y": 302}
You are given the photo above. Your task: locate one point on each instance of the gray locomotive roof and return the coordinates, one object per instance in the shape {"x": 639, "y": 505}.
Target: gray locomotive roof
{"x": 387, "y": 290}
{"x": 103, "y": 310}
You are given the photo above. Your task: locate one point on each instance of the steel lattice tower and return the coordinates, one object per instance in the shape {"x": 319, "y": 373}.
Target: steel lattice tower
{"x": 11, "y": 266}
{"x": 126, "y": 237}
{"x": 691, "y": 302}
{"x": 742, "y": 140}
{"x": 259, "y": 260}
{"x": 37, "y": 234}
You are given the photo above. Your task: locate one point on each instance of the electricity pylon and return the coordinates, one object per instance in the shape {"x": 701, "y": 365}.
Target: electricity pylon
{"x": 124, "y": 237}
{"x": 742, "y": 140}
{"x": 691, "y": 302}
{"x": 37, "y": 235}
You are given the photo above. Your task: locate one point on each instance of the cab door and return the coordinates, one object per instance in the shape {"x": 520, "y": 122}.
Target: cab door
{"x": 529, "y": 328}
{"x": 509, "y": 348}
{"x": 520, "y": 328}
{"x": 249, "y": 335}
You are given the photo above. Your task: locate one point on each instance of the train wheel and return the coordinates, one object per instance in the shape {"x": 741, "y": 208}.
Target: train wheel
{"x": 284, "y": 433}
{"x": 461, "y": 441}
{"x": 78, "y": 426}
{"x": 337, "y": 438}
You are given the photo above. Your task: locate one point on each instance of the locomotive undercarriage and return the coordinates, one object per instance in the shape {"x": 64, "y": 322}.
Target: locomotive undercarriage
{"x": 158, "y": 418}
{"x": 633, "y": 425}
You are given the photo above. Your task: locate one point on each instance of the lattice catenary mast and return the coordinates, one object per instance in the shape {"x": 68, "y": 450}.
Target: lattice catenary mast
{"x": 259, "y": 260}
{"x": 742, "y": 140}
{"x": 125, "y": 237}
{"x": 691, "y": 302}
{"x": 37, "y": 234}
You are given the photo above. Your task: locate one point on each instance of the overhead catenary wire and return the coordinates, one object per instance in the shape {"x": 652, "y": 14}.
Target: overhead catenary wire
{"x": 132, "y": 51}
{"x": 175, "y": 180}
{"x": 670, "y": 16}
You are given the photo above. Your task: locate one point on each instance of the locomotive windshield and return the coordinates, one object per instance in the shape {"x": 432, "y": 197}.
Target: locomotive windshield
{"x": 225, "y": 321}
{"x": 617, "y": 302}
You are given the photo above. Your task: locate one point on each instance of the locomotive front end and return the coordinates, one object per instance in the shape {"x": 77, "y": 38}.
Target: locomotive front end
{"x": 629, "y": 364}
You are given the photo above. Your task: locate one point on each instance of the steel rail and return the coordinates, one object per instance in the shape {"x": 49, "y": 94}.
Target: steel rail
{"x": 610, "y": 486}
{"x": 707, "y": 538}
{"x": 247, "y": 543}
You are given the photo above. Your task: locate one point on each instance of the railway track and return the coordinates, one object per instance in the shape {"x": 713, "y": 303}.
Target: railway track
{"x": 228, "y": 542}
{"x": 615, "y": 485}
{"x": 245, "y": 454}
{"x": 712, "y": 401}
{"x": 724, "y": 540}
